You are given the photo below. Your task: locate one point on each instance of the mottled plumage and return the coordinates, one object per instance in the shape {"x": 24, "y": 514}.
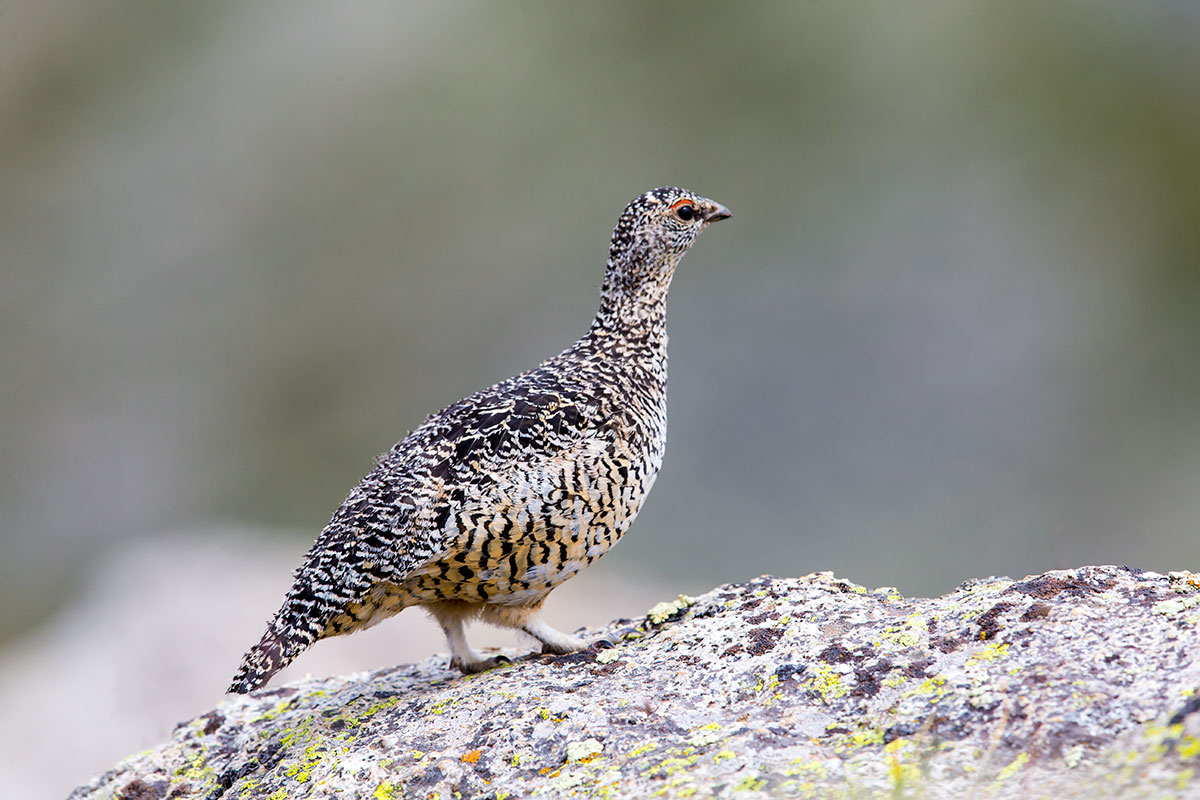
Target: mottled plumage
{"x": 498, "y": 498}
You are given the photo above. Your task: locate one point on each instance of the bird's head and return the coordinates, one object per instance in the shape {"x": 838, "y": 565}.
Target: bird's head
{"x": 652, "y": 234}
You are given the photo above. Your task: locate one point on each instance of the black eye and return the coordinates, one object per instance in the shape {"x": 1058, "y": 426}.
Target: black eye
{"x": 685, "y": 212}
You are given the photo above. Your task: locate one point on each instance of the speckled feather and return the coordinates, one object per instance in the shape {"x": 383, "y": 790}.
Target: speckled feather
{"x": 498, "y": 498}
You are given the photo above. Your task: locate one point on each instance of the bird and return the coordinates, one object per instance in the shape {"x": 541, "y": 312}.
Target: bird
{"x": 492, "y": 502}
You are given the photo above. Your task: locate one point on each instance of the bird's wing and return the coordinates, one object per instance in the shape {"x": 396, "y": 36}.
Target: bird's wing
{"x": 406, "y": 511}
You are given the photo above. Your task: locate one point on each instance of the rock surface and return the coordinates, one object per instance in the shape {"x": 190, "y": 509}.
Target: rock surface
{"x": 1072, "y": 683}
{"x": 157, "y": 625}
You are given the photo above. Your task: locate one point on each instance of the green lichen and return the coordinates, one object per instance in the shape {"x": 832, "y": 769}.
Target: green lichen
{"x": 566, "y": 780}
{"x": 667, "y": 609}
{"x": 1180, "y": 604}
{"x": 583, "y": 751}
{"x": 706, "y": 734}
{"x": 607, "y": 656}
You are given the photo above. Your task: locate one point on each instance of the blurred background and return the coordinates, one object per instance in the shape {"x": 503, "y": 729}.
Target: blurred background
{"x": 951, "y": 331}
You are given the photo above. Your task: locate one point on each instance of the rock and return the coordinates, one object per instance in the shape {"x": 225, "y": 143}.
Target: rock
{"x": 1073, "y": 683}
{"x": 157, "y": 625}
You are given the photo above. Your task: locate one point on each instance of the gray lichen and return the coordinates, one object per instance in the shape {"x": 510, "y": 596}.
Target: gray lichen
{"x": 1062, "y": 684}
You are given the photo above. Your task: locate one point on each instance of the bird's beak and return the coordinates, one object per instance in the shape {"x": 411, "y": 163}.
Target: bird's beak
{"x": 715, "y": 212}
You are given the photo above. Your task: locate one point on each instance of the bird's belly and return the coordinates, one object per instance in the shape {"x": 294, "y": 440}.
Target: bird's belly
{"x": 531, "y": 542}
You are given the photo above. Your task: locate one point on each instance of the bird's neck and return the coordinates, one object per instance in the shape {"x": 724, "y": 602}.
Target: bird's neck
{"x": 633, "y": 302}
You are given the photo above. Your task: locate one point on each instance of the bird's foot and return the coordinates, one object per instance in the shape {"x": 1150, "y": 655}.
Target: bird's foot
{"x": 476, "y": 666}
{"x": 616, "y": 636}
{"x": 563, "y": 644}
{"x": 607, "y": 641}
{"x": 574, "y": 644}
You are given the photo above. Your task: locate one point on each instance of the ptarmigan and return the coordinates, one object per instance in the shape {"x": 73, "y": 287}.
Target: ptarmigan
{"x": 495, "y": 500}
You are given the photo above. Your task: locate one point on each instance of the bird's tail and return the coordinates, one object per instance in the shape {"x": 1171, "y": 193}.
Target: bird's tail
{"x": 289, "y": 634}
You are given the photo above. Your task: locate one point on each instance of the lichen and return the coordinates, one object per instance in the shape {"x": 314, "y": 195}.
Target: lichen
{"x": 1180, "y": 604}
{"x": 992, "y": 652}
{"x": 607, "y": 656}
{"x": 386, "y": 791}
{"x": 669, "y": 608}
{"x": 697, "y": 712}
{"x": 583, "y": 751}
{"x": 860, "y": 737}
{"x": 825, "y": 682}
{"x": 750, "y": 784}
{"x": 912, "y": 632}
{"x": 1012, "y": 768}
{"x": 706, "y": 734}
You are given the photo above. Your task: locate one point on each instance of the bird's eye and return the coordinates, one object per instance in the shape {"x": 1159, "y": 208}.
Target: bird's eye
{"x": 685, "y": 210}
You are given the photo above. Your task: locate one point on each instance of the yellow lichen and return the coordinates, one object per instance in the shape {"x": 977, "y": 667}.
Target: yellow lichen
{"x": 751, "y": 784}
{"x": 990, "y": 653}
{"x": 676, "y": 764}
{"x": 1184, "y": 778}
{"x": 826, "y": 682}
{"x": 912, "y": 632}
{"x": 935, "y": 686}
{"x": 643, "y": 749}
{"x": 1013, "y": 767}
{"x": 857, "y": 739}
